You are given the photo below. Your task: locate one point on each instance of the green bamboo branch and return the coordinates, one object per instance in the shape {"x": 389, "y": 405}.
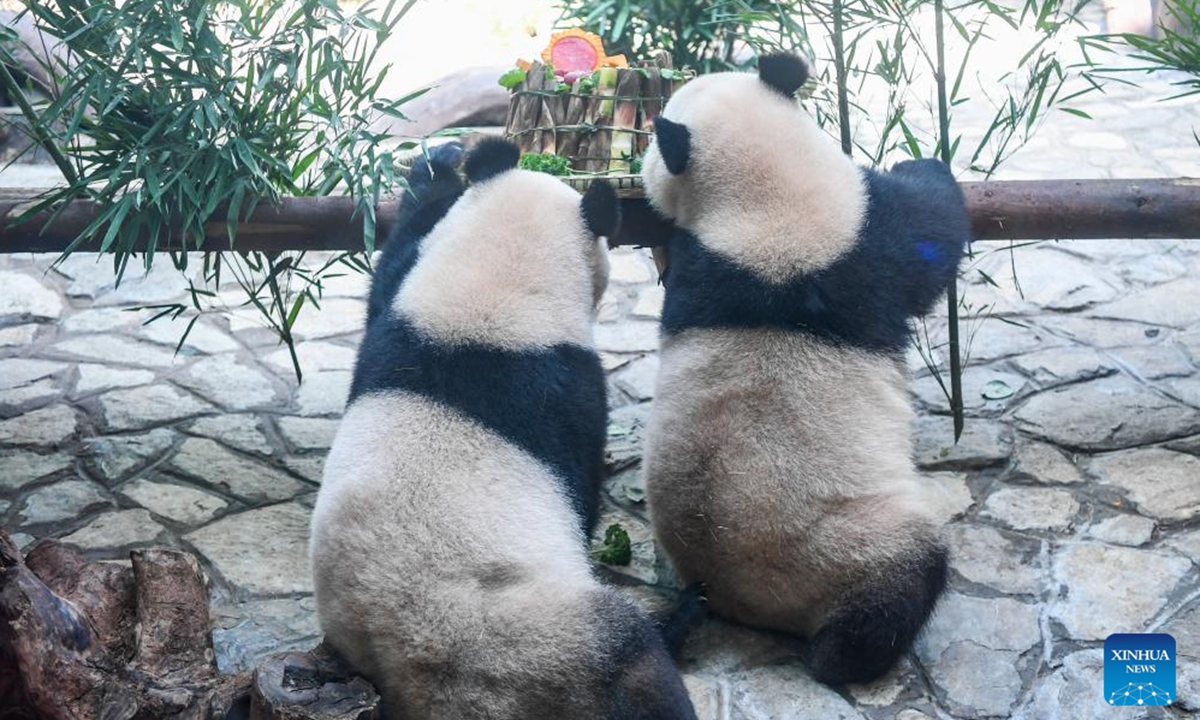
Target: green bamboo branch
{"x": 14, "y": 90}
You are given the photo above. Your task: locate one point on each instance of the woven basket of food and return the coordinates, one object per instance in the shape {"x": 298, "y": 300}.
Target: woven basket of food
{"x": 579, "y": 113}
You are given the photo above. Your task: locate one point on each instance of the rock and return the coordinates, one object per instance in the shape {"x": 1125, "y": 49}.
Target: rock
{"x": 886, "y": 690}
{"x": 24, "y": 298}
{"x": 246, "y": 633}
{"x": 1172, "y": 304}
{"x": 975, "y": 680}
{"x": 1185, "y": 628}
{"x": 251, "y": 481}
{"x": 184, "y": 505}
{"x": 324, "y": 393}
{"x": 983, "y": 555}
{"x": 226, "y": 381}
{"x": 1057, "y": 281}
{"x": 18, "y": 336}
{"x": 626, "y": 427}
{"x": 705, "y": 694}
{"x": 992, "y": 623}
{"x": 994, "y": 339}
{"x": 309, "y": 467}
{"x": 15, "y": 372}
{"x": 639, "y": 378}
{"x": 18, "y": 468}
{"x": 260, "y": 552}
{"x": 629, "y": 265}
{"x": 1094, "y": 604}
{"x": 1156, "y": 362}
{"x": 1102, "y": 334}
{"x": 96, "y": 320}
{"x": 717, "y": 647}
{"x": 101, "y": 377}
{"x": 315, "y": 356}
{"x": 243, "y": 432}
{"x": 1187, "y": 543}
{"x": 628, "y": 337}
{"x": 62, "y": 501}
{"x": 987, "y": 392}
{"x": 1162, "y": 483}
{"x": 785, "y": 691}
{"x": 465, "y": 98}
{"x": 113, "y": 349}
{"x": 1025, "y": 508}
{"x": 161, "y": 284}
{"x": 28, "y": 396}
{"x": 649, "y": 303}
{"x": 946, "y": 495}
{"x": 611, "y": 362}
{"x": 1073, "y": 692}
{"x": 1106, "y": 414}
{"x": 308, "y": 433}
{"x": 48, "y": 426}
{"x": 1131, "y": 530}
{"x": 115, "y": 457}
{"x": 135, "y": 408}
{"x": 1046, "y": 464}
{"x": 983, "y": 443}
{"x": 337, "y": 316}
{"x": 1061, "y": 365}
{"x": 203, "y": 336}
{"x": 116, "y": 530}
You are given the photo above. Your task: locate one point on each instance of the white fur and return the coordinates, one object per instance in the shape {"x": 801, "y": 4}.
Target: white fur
{"x": 504, "y": 270}
{"x": 445, "y": 559}
{"x": 778, "y": 471}
{"x": 765, "y": 188}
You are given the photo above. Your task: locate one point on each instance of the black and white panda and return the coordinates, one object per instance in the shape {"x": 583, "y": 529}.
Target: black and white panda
{"x": 778, "y": 459}
{"x": 449, "y": 535}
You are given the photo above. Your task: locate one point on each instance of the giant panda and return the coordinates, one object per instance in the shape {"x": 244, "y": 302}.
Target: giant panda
{"x": 778, "y": 458}
{"x": 448, "y": 538}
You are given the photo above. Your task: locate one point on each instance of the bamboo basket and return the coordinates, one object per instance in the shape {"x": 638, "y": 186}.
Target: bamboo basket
{"x": 602, "y": 132}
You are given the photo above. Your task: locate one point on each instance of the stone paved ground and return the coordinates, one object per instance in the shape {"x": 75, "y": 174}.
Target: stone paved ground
{"x": 1072, "y": 500}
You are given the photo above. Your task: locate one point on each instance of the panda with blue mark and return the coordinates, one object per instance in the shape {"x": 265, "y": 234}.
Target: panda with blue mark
{"x": 778, "y": 462}
{"x": 449, "y": 535}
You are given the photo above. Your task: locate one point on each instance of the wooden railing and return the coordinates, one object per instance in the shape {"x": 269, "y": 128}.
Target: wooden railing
{"x": 1000, "y": 210}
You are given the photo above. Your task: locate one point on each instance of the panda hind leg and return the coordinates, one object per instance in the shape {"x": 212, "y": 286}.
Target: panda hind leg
{"x": 874, "y": 624}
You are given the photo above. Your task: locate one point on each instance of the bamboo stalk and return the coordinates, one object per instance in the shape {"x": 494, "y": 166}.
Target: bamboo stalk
{"x": 622, "y": 143}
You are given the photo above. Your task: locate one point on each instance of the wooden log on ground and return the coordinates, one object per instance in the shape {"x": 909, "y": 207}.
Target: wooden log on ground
{"x": 311, "y": 686}
{"x": 102, "y": 641}
{"x": 1000, "y": 210}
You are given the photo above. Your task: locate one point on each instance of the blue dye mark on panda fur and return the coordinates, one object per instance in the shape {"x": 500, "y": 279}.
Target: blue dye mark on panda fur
{"x": 930, "y": 251}
{"x": 906, "y": 254}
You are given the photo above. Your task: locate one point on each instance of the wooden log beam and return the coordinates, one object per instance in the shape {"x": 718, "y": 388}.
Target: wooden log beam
{"x": 1000, "y": 210}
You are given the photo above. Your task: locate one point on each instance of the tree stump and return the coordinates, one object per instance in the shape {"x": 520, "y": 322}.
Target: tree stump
{"x": 102, "y": 641}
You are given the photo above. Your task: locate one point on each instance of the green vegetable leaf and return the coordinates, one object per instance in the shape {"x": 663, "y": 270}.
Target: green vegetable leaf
{"x": 616, "y": 548}
{"x": 512, "y": 79}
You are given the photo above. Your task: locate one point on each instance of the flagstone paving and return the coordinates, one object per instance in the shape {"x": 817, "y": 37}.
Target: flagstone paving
{"x": 1072, "y": 499}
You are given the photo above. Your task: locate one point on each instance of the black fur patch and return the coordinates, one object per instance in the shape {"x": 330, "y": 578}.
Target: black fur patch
{"x": 433, "y": 188}
{"x": 491, "y": 157}
{"x": 784, "y": 73}
{"x": 907, "y": 252}
{"x": 869, "y": 633}
{"x": 674, "y": 142}
{"x": 645, "y": 682}
{"x": 690, "y": 609}
{"x": 551, "y": 403}
{"x": 601, "y": 209}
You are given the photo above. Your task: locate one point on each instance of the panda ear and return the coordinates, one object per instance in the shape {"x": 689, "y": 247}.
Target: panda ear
{"x": 490, "y": 158}
{"x": 601, "y": 209}
{"x": 785, "y": 73}
{"x": 674, "y": 142}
